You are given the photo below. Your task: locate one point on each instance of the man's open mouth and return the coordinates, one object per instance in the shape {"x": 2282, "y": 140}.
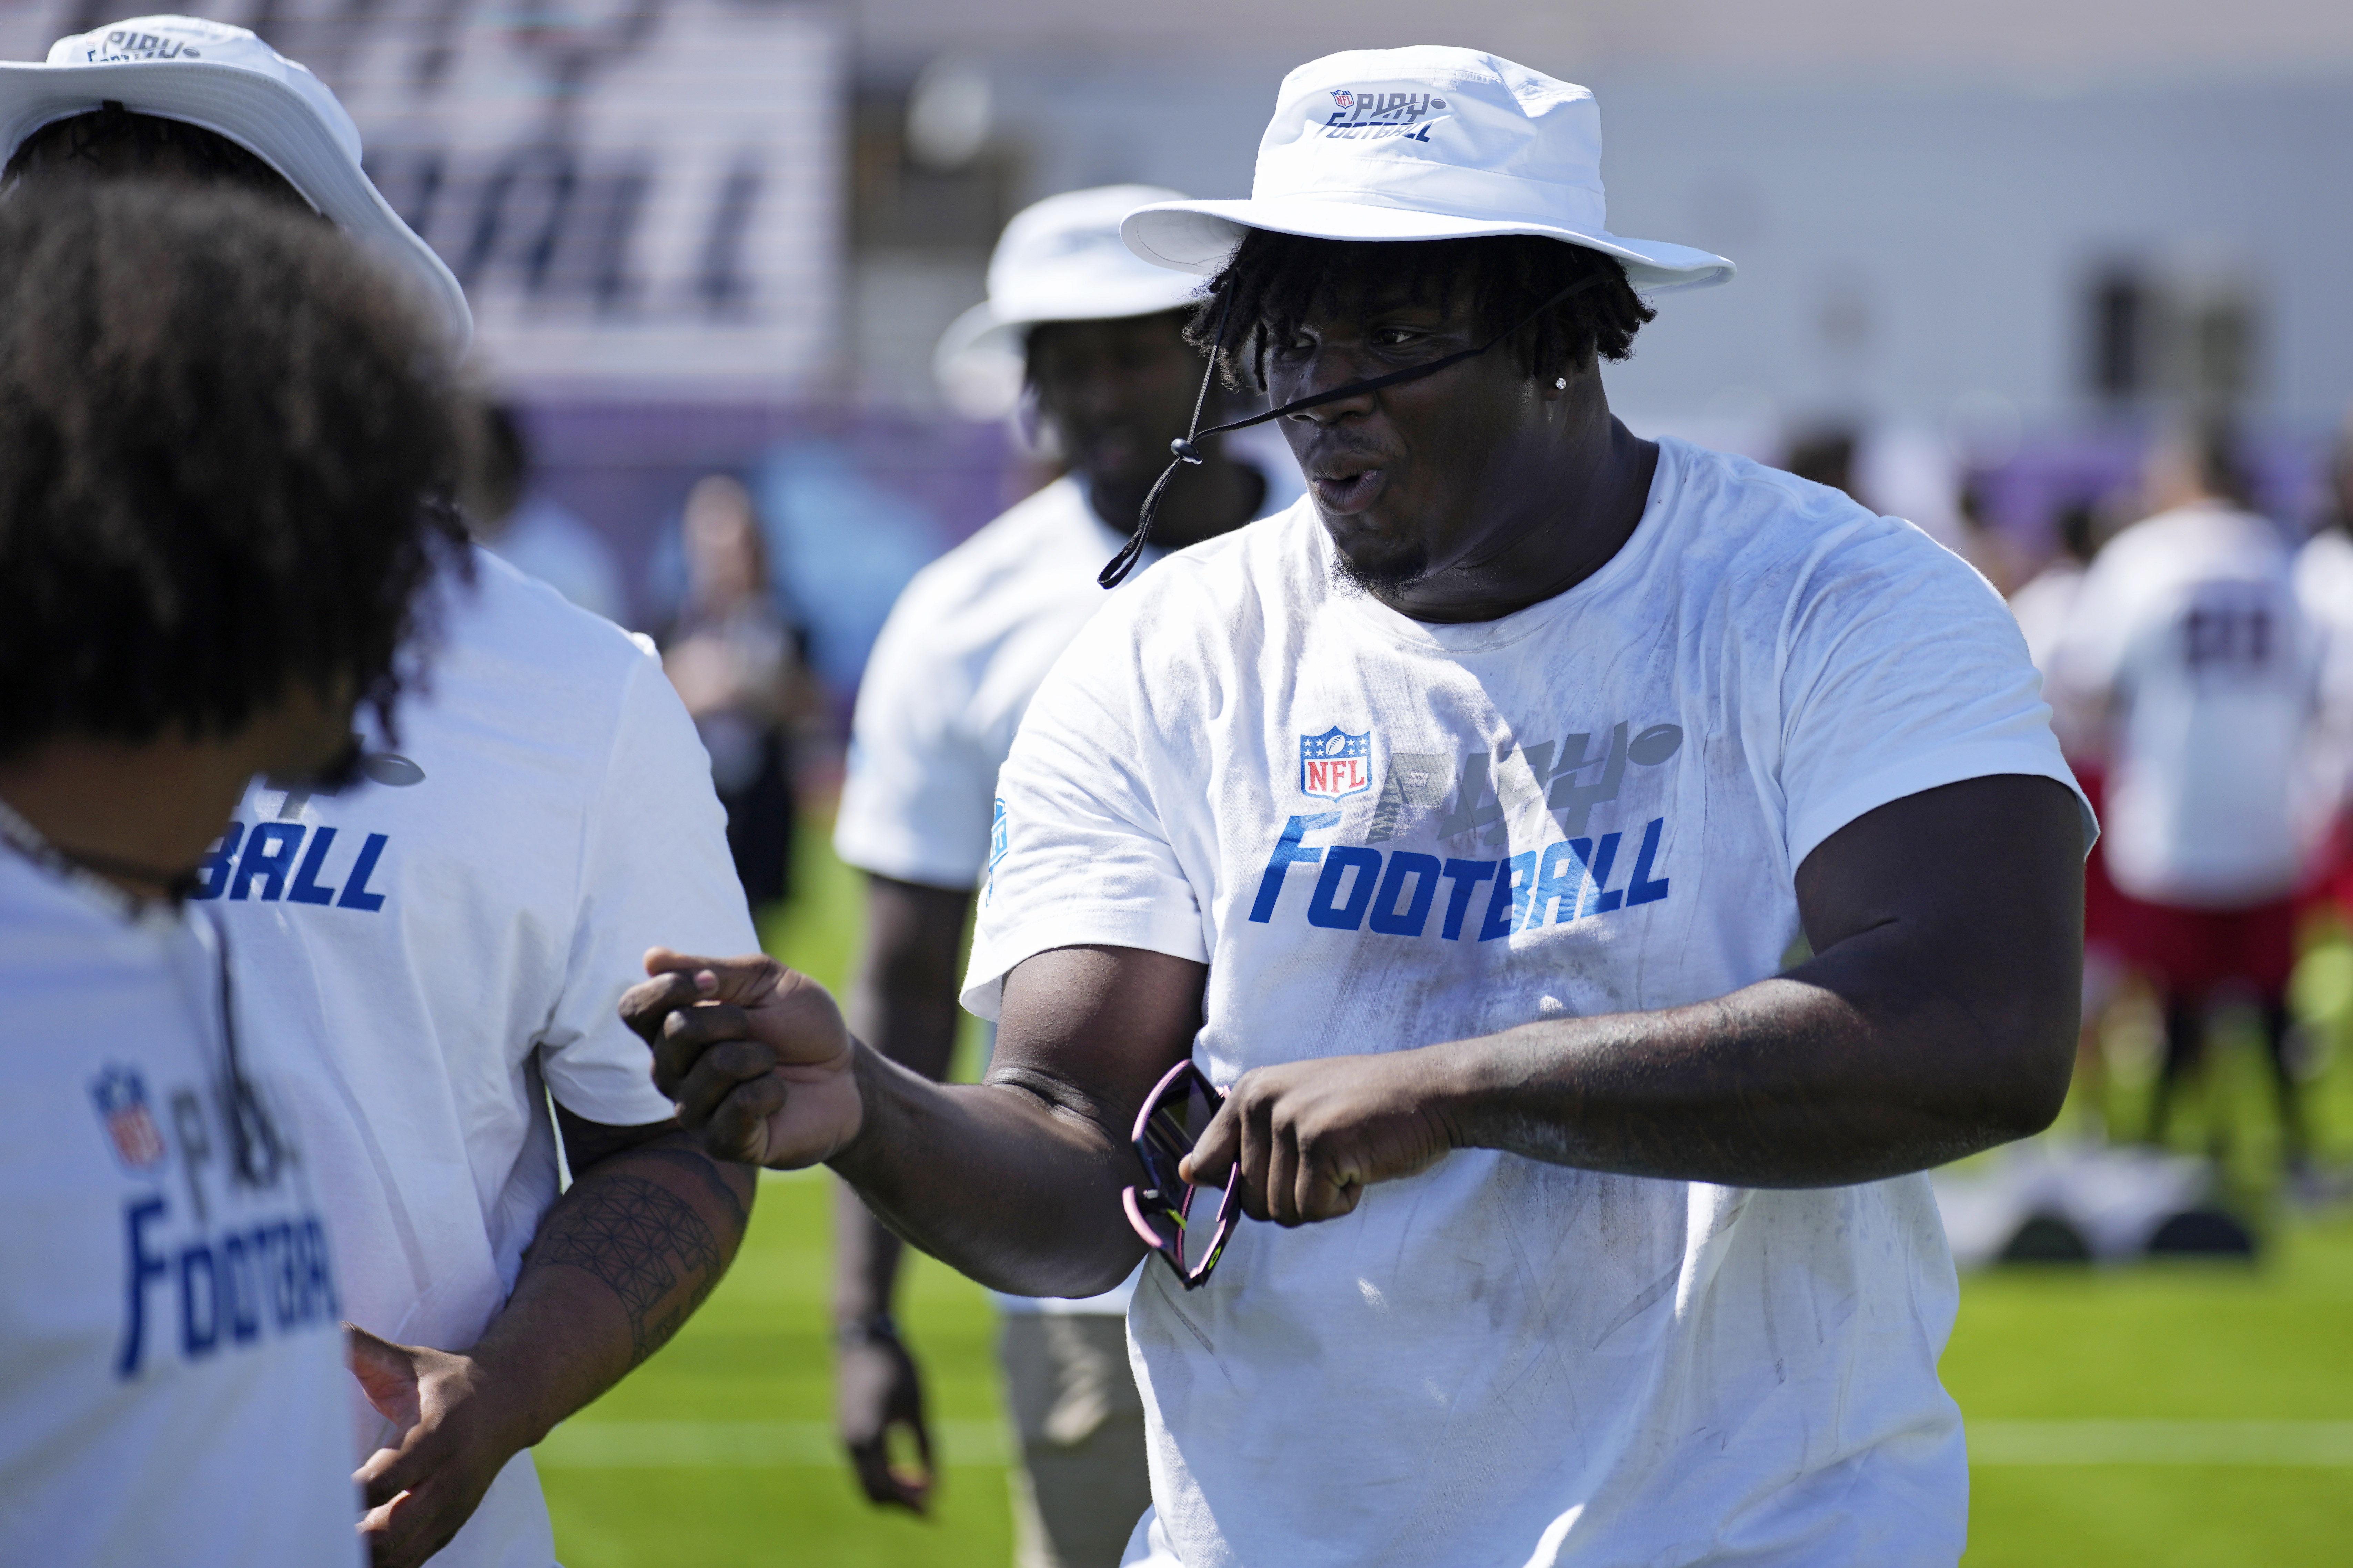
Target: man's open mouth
{"x": 1349, "y": 491}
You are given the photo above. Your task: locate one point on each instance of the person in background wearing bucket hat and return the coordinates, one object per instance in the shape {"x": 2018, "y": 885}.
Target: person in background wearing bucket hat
{"x": 1423, "y": 861}
{"x": 436, "y": 951}
{"x": 1095, "y": 338}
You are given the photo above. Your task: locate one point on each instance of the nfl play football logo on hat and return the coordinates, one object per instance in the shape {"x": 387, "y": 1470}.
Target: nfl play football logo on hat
{"x": 1415, "y": 144}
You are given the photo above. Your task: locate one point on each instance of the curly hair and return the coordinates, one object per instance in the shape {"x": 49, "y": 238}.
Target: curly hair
{"x": 226, "y": 446}
{"x": 112, "y": 143}
{"x": 1276, "y": 280}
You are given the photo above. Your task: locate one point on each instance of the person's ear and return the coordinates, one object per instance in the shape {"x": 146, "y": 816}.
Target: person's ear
{"x": 1561, "y": 378}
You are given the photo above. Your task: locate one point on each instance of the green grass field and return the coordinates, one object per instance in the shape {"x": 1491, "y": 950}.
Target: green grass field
{"x": 2188, "y": 1414}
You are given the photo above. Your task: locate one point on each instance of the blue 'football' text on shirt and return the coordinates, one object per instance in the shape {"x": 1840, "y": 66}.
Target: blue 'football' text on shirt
{"x": 288, "y": 860}
{"x": 1398, "y": 892}
{"x": 236, "y": 1257}
{"x": 210, "y": 1292}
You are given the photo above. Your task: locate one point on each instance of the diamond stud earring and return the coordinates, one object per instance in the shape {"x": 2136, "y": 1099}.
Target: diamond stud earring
{"x": 1560, "y": 382}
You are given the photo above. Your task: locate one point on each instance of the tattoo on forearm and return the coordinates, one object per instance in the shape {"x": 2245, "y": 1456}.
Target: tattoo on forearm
{"x": 645, "y": 1244}
{"x": 705, "y": 1170}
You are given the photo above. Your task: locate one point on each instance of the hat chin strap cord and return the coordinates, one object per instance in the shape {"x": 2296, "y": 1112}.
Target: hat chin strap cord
{"x": 1116, "y": 569}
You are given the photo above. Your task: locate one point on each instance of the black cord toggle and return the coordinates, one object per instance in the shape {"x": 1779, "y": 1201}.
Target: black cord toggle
{"x": 1116, "y": 569}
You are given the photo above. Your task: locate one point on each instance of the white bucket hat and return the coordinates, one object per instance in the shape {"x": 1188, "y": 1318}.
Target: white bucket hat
{"x": 226, "y": 80}
{"x": 1421, "y": 144}
{"x": 1059, "y": 260}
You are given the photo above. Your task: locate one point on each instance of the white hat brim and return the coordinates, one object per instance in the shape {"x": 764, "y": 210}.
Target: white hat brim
{"x": 990, "y": 325}
{"x": 1198, "y": 237}
{"x": 267, "y": 118}
{"x": 978, "y": 332}
{"x": 986, "y": 333}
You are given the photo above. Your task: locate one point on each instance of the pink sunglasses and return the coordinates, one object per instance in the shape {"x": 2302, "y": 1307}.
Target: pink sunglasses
{"x": 1176, "y": 1115}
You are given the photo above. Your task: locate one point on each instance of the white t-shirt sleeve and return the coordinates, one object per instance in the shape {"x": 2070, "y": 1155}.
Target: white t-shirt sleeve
{"x": 655, "y": 870}
{"x": 1901, "y": 670}
{"x": 1084, "y": 853}
{"x": 914, "y": 805}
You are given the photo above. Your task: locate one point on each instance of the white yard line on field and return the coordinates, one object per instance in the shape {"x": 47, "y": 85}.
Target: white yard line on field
{"x": 653, "y": 1445}
{"x": 2276, "y": 1443}
{"x": 701, "y": 1444}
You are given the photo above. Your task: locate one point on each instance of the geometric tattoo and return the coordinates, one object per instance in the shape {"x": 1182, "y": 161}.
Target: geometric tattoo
{"x": 642, "y": 1242}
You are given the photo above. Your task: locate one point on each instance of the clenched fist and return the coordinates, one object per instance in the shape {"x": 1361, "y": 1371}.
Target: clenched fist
{"x": 1307, "y": 1138}
{"x": 754, "y": 1056}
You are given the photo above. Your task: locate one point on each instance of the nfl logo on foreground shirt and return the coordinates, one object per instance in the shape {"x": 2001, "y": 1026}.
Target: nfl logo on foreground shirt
{"x": 122, "y": 1097}
{"x": 1334, "y": 764}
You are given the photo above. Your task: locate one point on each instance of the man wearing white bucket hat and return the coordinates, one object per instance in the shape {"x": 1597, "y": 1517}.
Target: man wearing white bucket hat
{"x": 436, "y": 952}
{"x": 1076, "y": 321}
{"x": 1422, "y": 862}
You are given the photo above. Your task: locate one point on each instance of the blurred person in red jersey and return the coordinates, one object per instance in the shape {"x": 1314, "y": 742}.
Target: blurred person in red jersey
{"x": 1095, "y": 338}
{"x": 737, "y": 664}
{"x": 2190, "y": 652}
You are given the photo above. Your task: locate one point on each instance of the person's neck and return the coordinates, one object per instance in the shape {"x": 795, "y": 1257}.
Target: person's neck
{"x": 1218, "y": 497}
{"x": 141, "y": 816}
{"x": 1575, "y": 504}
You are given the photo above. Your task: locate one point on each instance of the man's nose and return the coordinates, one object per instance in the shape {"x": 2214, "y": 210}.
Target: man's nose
{"x": 1110, "y": 393}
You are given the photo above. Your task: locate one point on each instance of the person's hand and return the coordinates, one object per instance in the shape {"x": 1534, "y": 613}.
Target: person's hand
{"x": 755, "y": 1057}
{"x": 703, "y": 669}
{"x": 1307, "y": 1138}
{"x": 452, "y": 1441}
{"x": 877, "y": 1390}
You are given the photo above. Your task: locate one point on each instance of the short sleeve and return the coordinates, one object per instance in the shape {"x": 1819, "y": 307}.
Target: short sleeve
{"x": 1083, "y": 852}
{"x": 1901, "y": 671}
{"x": 655, "y": 871}
{"x": 916, "y": 802}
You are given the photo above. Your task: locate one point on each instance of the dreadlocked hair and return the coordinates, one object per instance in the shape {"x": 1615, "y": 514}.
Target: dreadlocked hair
{"x": 1276, "y": 280}
{"x": 226, "y": 442}
{"x": 112, "y": 143}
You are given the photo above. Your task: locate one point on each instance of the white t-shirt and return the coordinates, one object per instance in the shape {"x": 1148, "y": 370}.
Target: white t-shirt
{"x": 2323, "y": 590}
{"x": 451, "y": 941}
{"x": 954, "y": 670}
{"x": 2187, "y": 628}
{"x": 2045, "y": 606}
{"x": 952, "y": 674}
{"x": 1377, "y": 834}
{"x": 171, "y": 1371}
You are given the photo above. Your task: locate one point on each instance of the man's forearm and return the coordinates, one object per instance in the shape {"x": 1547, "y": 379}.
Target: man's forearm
{"x": 620, "y": 1262}
{"x": 1820, "y": 1078}
{"x": 903, "y": 1003}
{"x": 1010, "y": 1181}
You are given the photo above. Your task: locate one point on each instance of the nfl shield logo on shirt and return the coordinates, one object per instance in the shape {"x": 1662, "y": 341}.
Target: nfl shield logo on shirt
{"x": 121, "y": 1098}
{"x": 1335, "y": 764}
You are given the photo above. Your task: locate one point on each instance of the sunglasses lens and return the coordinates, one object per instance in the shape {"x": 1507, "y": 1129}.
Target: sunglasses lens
{"x": 1203, "y": 1235}
{"x": 1163, "y": 1224}
{"x": 1178, "y": 1121}
{"x": 1194, "y": 1233}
